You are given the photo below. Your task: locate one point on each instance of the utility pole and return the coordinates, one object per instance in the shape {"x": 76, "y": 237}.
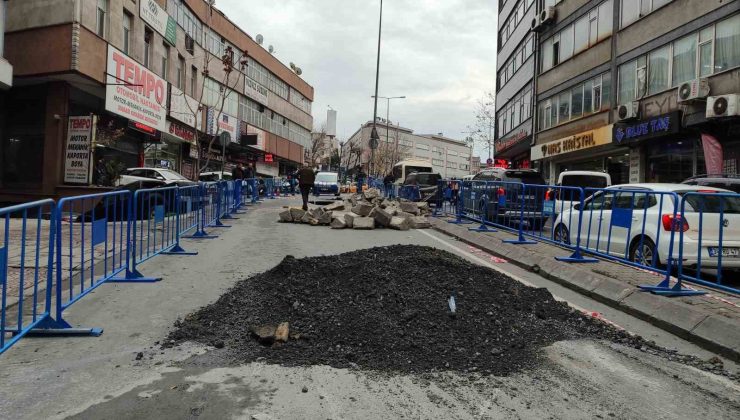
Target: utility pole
{"x": 374, "y": 134}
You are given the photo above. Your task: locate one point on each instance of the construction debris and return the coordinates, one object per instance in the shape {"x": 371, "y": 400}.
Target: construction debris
{"x": 363, "y": 211}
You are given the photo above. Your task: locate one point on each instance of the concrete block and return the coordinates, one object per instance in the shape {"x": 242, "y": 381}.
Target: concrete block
{"x": 363, "y": 209}
{"x": 338, "y": 223}
{"x": 644, "y": 302}
{"x": 337, "y": 205}
{"x": 679, "y": 315}
{"x": 382, "y": 217}
{"x": 349, "y": 219}
{"x": 721, "y": 331}
{"x": 409, "y": 207}
{"x": 371, "y": 193}
{"x": 296, "y": 214}
{"x": 399, "y": 223}
{"x": 365, "y": 223}
{"x": 325, "y": 218}
{"x": 285, "y": 216}
{"x": 419, "y": 222}
{"x": 613, "y": 290}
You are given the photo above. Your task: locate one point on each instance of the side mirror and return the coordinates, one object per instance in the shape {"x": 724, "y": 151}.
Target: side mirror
{"x": 577, "y": 206}
{"x": 160, "y": 177}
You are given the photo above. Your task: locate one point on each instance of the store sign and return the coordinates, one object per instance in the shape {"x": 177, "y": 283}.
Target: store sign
{"x": 222, "y": 122}
{"x": 507, "y": 143}
{"x": 78, "y": 150}
{"x": 626, "y": 133}
{"x": 635, "y": 166}
{"x": 183, "y": 108}
{"x": 134, "y": 92}
{"x": 580, "y": 141}
{"x": 255, "y": 90}
{"x": 268, "y": 158}
{"x": 180, "y": 131}
{"x": 157, "y": 18}
{"x": 261, "y": 136}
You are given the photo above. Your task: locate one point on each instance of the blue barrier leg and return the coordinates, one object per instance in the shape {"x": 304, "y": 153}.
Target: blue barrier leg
{"x": 483, "y": 227}
{"x": 520, "y": 238}
{"x": 60, "y": 327}
{"x": 459, "y": 216}
{"x": 132, "y": 274}
{"x": 577, "y": 255}
{"x": 177, "y": 249}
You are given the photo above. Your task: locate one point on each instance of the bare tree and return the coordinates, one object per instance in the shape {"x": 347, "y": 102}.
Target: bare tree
{"x": 234, "y": 71}
{"x": 320, "y": 147}
{"x": 481, "y": 132}
{"x": 388, "y": 154}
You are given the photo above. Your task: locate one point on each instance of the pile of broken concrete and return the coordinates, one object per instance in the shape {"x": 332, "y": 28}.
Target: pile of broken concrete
{"x": 363, "y": 211}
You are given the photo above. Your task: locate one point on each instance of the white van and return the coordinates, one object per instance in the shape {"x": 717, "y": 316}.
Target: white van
{"x": 564, "y": 198}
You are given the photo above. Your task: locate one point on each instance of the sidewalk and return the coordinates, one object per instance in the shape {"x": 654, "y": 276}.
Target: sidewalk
{"x": 711, "y": 320}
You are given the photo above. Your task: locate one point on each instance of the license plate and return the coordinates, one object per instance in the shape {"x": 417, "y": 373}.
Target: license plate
{"x": 726, "y": 252}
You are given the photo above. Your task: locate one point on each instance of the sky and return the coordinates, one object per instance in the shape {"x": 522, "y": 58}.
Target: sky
{"x": 440, "y": 54}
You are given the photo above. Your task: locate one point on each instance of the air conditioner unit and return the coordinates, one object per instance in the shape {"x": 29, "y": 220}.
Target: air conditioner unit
{"x": 547, "y": 15}
{"x": 628, "y": 111}
{"x": 536, "y": 25}
{"x": 723, "y": 106}
{"x": 693, "y": 90}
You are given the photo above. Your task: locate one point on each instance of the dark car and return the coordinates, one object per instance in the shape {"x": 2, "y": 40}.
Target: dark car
{"x": 427, "y": 183}
{"x": 499, "y": 191}
{"x": 728, "y": 182}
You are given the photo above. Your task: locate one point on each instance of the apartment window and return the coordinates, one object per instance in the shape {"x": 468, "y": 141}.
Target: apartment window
{"x": 556, "y": 50}
{"x": 627, "y": 82}
{"x": 165, "y": 60}
{"x": 422, "y": 146}
{"x": 684, "y": 60}
{"x": 437, "y": 162}
{"x": 102, "y": 18}
{"x": 193, "y": 81}
{"x": 581, "y": 35}
{"x": 566, "y": 43}
{"x": 632, "y": 10}
{"x": 148, "y": 36}
{"x": 588, "y": 97}
{"x": 658, "y": 68}
{"x": 451, "y": 153}
{"x": 181, "y": 72}
{"x": 127, "y": 19}
{"x": 727, "y": 44}
{"x": 564, "y": 107}
{"x": 581, "y": 100}
{"x": 576, "y": 106}
{"x": 605, "y": 19}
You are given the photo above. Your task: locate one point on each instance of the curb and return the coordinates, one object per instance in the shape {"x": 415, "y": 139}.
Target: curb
{"x": 710, "y": 331}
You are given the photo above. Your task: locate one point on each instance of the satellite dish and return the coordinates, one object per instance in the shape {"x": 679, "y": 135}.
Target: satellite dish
{"x": 271, "y": 49}
{"x": 298, "y": 71}
{"x": 260, "y": 39}
{"x": 292, "y": 66}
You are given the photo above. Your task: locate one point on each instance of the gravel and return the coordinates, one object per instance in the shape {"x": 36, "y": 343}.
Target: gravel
{"x": 388, "y": 309}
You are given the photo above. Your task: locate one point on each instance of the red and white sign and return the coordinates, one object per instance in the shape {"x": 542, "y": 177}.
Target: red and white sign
{"x": 78, "y": 150}
{"x": 180, "y": 131}
{"x": 134, "y": 92}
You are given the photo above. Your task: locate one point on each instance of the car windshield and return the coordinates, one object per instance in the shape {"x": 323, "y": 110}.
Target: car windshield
{"x": 171, "y": 175}
{"x": 707, "y": 203}
{"x": 584, "y": 181}
{"x": 326, "y": 177}
{"x": 427, "y": 179}
{"x": 411, "y": 169}
{"x": 208, "y": 177}
{"x": 733, "y": 185}
{"x": 524, "y": 177}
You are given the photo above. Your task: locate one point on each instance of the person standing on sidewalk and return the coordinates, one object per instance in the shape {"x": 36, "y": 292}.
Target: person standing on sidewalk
{"x": 388, "y": 182}
{"x": 237, "y": 172}
{"x": 306, "y": 179}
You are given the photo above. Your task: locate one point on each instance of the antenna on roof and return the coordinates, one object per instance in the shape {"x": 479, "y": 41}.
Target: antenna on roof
{"x": 260, "y": 39}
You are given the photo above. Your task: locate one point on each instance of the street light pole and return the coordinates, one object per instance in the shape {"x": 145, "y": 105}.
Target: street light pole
{"x": 377, "y": 77}
{"x": 387, "y": 111}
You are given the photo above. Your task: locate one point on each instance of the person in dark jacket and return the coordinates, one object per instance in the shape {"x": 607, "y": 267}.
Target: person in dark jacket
{"x": 388, "y": 182}
{"x": 248, "y": 172}
{"x": 237, "y": 172}
{"x": 306, "y": 178}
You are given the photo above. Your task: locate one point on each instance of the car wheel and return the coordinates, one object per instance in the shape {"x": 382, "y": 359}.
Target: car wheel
{"x": 561, "y": 235}
{"x": 642, "y": 251}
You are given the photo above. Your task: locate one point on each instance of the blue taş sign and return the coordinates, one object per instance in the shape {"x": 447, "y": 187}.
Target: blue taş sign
{"x": 627, "y": 133}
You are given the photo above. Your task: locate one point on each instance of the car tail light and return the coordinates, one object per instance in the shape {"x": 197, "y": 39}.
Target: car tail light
{"x": 676, "y": 223}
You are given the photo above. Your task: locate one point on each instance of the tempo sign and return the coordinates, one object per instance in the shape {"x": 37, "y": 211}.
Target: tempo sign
{"x": 78, "y": 150}
{"x": 134, "y": 92}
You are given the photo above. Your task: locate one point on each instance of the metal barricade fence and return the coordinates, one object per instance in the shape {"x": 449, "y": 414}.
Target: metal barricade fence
{"x": 409, "y": 192}
{"x": 26, "y": 261}
{"x": 189, "y": 207}
{"x": 226, "y": 198}
{"x": 709, "y": 239}
{"x": 92, "y": 243}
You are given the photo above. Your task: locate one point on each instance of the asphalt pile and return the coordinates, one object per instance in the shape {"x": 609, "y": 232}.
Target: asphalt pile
{"x": 363, "y": 211}
{"x": 398, "y": 309}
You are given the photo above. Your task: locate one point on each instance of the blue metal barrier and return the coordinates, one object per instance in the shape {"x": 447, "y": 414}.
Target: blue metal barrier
{"x": 189, "y": 208}
{"x": 25, "y": 272}
{"x": 709, "y": 239}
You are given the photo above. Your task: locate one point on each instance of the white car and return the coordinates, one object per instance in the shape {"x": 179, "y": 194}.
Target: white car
{"x": 167, "y": 176}
{"x": 563, "y": 198}
{"x": 627, "y": 221}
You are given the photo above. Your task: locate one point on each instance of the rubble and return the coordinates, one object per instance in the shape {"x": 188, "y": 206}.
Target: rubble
{"x": 388, "y": 309}
{"x": 374, "y": 210}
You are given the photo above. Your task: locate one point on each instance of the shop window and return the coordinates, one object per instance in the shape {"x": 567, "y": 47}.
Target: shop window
{"x": 23, "y": 142}
{"x": 684, "y": 60}
{"x": 674, "y": 161}
{"x": 727, "y": 39}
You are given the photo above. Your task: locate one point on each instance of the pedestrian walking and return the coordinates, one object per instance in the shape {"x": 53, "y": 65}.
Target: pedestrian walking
{"x": 306, "y": 179}
{"x": 360, "y": 179}
{"x": 237, "y": 172}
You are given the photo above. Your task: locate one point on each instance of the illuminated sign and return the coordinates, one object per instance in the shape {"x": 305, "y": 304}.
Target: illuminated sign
{"x": 268, "y": 157}
{"x": 142, "y": 127}
{"x": 574, "y": 143}
{"x": 631, "y": 132}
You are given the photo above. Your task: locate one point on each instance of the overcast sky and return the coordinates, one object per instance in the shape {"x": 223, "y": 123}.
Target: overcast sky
{"x": 439, "y": 53}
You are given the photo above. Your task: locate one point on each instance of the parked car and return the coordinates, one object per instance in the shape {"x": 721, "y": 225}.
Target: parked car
{"x": 613, "y": 223}
{"x": 167, "y": 176}
{"x": 326, "y": 183}
{"x": 503, "y": 201}
{"x": 729, "y": 182}
{"x": 214, "y": 176}
{"x": 427, "y": 183}
{"x": 564, "y": 197}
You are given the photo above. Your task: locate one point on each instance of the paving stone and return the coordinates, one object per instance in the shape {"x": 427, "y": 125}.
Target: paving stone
{"x": 419, "y": 222}
{"x": 365, "y": 223}
{"x": 285, "y": 216}
{"x": 363, "y": 209}
{"x": 338, "y": 223}
{"x": 382, "y": 217}
{"x": 296, "y": 214}
{"x": 349, "y": 219}
{"x": 399, "y": 223}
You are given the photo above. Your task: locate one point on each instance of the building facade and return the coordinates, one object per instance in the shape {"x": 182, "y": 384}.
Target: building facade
{"x": 101, "y": 85}
{"x": 608, "y": 88}
{"x": 451, "y": 158}
{"x": 515, "y": 81}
